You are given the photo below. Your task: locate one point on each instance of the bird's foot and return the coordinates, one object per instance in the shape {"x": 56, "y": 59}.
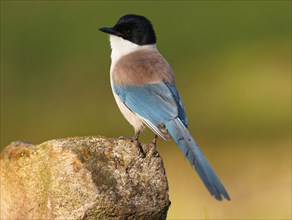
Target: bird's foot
{"x": 138, "y": 145}
{"x": 139, "y": 148}
{"x": 152, "y": 146}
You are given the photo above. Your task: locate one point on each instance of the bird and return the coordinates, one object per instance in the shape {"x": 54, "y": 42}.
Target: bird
{"x": 144, "y": 88}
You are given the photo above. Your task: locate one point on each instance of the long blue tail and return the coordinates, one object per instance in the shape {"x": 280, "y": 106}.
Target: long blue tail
{"x": 184, "y": 140}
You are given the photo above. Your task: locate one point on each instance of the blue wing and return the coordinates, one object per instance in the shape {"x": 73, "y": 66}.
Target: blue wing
{"x": 160, "y": 103}
{"x": 154, "y": 103}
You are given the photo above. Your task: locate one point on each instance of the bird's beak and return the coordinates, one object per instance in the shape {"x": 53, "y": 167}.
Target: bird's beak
{"x": 110, "y": 30}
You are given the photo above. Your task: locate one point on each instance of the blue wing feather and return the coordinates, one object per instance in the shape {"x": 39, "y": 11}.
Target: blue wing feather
{"x": 157, "y": 102}
{"x": 181, "y": 110}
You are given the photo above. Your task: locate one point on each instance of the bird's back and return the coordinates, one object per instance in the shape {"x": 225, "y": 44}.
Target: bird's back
{"x": 143, "y": 66}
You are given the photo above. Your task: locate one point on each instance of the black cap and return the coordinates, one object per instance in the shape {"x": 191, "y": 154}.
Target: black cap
{"x": 134, "y": 28}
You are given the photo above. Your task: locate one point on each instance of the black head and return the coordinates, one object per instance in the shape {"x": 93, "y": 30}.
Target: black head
{"x": 134, "y": 28}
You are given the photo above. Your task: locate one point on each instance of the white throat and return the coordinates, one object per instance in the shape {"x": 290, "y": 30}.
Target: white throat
{"x": 121, "y": 47}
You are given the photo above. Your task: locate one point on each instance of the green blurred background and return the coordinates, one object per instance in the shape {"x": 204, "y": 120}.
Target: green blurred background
{"x": 232, "y": 62}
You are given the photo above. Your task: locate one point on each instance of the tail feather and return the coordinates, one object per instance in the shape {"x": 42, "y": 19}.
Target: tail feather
{"x": 184, "y": 140}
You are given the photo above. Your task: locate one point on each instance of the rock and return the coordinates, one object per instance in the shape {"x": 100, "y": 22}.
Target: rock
{"x": 82, "y": 178}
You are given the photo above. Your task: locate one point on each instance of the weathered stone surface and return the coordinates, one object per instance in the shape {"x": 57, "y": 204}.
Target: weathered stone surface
{"x": 82, "y": 178}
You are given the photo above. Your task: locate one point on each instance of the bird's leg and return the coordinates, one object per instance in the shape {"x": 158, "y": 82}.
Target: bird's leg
{"x": 153, "y": 142}
{"x": 135, "y": 140}
{"x": 152, "y": 145}
{"x": 135, "y": 137}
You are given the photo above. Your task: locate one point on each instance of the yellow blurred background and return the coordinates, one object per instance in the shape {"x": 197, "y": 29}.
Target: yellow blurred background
{"x": 232, "y": 62}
